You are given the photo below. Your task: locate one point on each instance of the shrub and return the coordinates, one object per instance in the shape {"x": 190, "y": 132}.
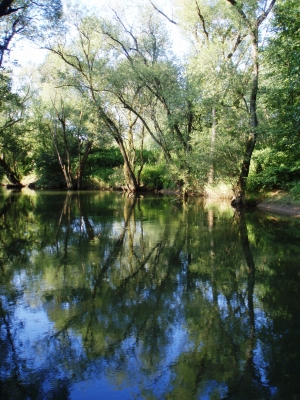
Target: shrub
{"x": 272, "y": 169}
{"x": 152, "y": 177}
{"x": 48, "y": 170}
{"x": 295, "y": 190}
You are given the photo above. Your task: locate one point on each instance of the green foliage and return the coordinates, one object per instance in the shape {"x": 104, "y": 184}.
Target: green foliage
{"x": 153, "y": 177}
{"x": 295, "y": 190}
{"x": 30, "y": 19}
{"x": 220, "y": 190}
{"x": 2, "y": 174}
{"x": 14, "y": 144}
{"x": 276, "y": 164}
{"x": 103, "y": 179}
{"x": 102, "y": 165}
{"x": 103, "y": 158}
{"x": 105, "y": 166}
{"x": 48, "y": 170}
{"x": 117, "y": 179}
{"x": 272, "y": 169}
{"x": 159, "y": 176}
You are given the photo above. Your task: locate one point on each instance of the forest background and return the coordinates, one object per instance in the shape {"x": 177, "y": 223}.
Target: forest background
{"x": 197, "y": 96}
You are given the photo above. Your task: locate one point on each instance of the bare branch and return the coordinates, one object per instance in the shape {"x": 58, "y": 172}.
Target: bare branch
{"x": 120, "y": 43}
{"x": 236, "y": 44}
{"x": 131, "y": 35}
{"x": 162, "y": 13}
{"x": 241, "y": 12}
{"x": 264, "y": 15}
{"x": 6, "y": 9}
{"x": 260, "y": 19}
{"x": 202, "y": 20}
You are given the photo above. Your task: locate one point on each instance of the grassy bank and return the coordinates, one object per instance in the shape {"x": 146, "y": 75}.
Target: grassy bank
{"x": 281, "y": 202}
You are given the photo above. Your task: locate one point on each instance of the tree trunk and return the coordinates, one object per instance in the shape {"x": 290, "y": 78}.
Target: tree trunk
{"x": 65, "y": 166}
{"x": 11, "y": 175}
{"x": 82, "y": 163}
{"x": 67, "y": 173}
{"x": 251, "y": 141}
{"x": 211, "y": 172}
{"x": 131, "y": 181}
{"x": 250, "y": 145}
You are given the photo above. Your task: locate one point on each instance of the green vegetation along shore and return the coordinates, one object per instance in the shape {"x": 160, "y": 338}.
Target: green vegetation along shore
{"x": 140, "y": 97}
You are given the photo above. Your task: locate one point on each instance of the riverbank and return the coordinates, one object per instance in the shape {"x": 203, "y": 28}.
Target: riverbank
{"x": 280, "y": 202}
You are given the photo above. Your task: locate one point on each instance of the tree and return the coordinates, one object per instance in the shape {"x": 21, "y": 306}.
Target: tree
{"x": 252, "y": 15}
{"x": 228, "y": 32}
{"x": 13, "y": 146}
{"x": 162, "y": 98}
{"x": 88, "y": 66}
{"x": 28, "y": 18}
{"x": 219, "y": 87}
{"x": 277, "y": 158}
{"x": 64, "y": 125}
{"x": 63, "y": 136}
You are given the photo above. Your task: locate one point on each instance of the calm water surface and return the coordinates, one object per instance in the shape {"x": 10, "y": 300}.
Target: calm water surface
{"x": 104, "y": 297}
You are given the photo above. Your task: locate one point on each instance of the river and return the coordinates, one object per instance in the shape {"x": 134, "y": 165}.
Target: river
{"x": 108, "y": 297}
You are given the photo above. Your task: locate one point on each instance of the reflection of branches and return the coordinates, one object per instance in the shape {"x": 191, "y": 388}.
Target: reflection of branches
{"x": 142, "y": 263}
{"x": 88, "y": 227}
{"x": 65, "y": 211}
{"x": 128, "y": 307}
{"x": 10, "y": 339}
{"x": 250, "y": 381}
{"x": 116, "y": 248}
{"x": 250, "y": 263}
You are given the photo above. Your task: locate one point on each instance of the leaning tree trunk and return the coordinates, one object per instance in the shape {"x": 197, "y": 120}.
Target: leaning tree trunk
{"x": 251, "y": 141}
{"x": 10, "y": 174}
{"x": 131, "y": 181}
{"x": 252, "y": 28}
{"x": 211, "y": 172}
{"x": 65, "y": 167}
{"x": 82, "y": 163}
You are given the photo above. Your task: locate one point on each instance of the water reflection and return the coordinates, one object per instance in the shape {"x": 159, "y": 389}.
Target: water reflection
{"x": 103, "y": 296}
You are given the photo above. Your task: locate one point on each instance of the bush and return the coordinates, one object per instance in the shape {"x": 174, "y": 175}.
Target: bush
{"x": 100, "y": 159}
{"x": 152, "y": 177}
{"x": 272, "y": 169}
{"x": 48, "y": 170}
{"x": 295, "y": 190}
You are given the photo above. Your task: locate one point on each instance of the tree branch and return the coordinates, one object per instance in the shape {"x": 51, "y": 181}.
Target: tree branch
{"x": 202, "y": 20}
{"x": 162, "y": 13}
{"x": 6, "y": 9}
{"x": 264, "y": 15}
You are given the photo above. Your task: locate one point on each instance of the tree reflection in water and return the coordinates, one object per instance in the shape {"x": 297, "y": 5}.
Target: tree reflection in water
{"x": 144, "y": 296}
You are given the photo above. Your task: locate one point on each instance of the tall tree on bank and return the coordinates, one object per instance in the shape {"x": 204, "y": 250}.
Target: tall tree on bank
{"x": 32, "y": 20}
{"x": 13, "y": 146}
{"x": 219, "y": 85}
{"x": 69, "y": 140}
{"x": 230, "y": 29}
{"x": 252, "y": 15}
{"x": 119, "y": 68}
{"x": 277, "y": 161}
{"x": 160, "y": 95}
{"x": 87, "y": 69}
{"x": 64, "y": 126}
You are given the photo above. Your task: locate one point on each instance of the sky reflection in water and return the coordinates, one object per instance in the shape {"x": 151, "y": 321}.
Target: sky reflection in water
{"x": 108, "y": 297}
